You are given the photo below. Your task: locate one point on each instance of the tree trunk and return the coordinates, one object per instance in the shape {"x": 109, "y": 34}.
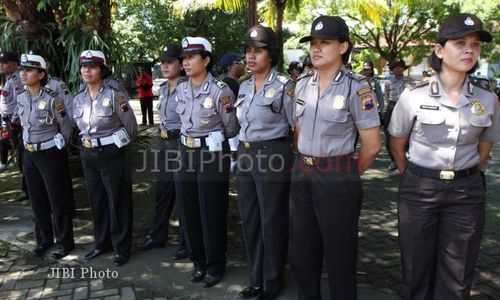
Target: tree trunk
{"x": 252, "y": 13}
{"x": 280, "y": 11}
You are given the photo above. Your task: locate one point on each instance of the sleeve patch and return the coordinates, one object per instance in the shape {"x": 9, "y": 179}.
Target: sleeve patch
{"x": 291, "y": 92}
{"x": 367, "y": 103}
{"x": 300, "y": 102}
{"x": 122, "y": 102}
{"x": 364, "y": 91}
{"x": 59, "y": 106}
{"x": 227, "y": 104}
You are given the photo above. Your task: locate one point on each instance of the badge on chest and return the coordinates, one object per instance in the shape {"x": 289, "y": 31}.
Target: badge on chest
{"x": 338, "y": 102}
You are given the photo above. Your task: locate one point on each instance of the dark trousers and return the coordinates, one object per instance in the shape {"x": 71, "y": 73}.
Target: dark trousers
{"x": 324, "y": 211}
{"x": 4, "y": 150}
{"x": 47, "y": 176}
{"x": 263, "y": 196}
{"x": 440, "y": 228}
{"x": 202, "y": 187}
{"x": 147, "y": 110}
{"x": 165, "y": 190}
{"x": 387, "y": 120}
{"x": 110, "y": 192}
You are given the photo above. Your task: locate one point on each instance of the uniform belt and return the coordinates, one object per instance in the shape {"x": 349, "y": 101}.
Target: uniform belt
{"x": 326, "y": 162}
{"x": 264, "y": 144}
{"x": 39, "y": 146}
{"x": 441, "y": 174}
{"x": 169, "y": 134}
{"x": 192, "y": 142}
{"x": 93, "y": 143}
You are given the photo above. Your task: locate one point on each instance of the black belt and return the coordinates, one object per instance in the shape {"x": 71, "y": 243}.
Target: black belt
{"x": 327, "y": 162}
{"x": 441, "y": 174}
{"x": 169, "y": 134}
{"x": 264, "y": 144}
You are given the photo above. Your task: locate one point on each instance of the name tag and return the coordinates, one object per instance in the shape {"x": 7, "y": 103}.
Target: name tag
{"x": 429, "y": 107}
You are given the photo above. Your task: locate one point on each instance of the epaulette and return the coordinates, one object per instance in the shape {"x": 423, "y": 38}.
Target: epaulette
{"x": 221, "y": 84}
{"x": 50, "y": 92}
{"x": 304, "y": 75}
{"x": 480, "y": 83}
{"x": 59, "y": 104}
{"x": 283, "y": 79}
{"x": 417, "y": 84}
{"x": 356, "y": 76}
{"x": 245, "y": 77}
{"x": 55, "y": 78}
{"x": 164, "y": 83}
{"x": 183, "y": 79}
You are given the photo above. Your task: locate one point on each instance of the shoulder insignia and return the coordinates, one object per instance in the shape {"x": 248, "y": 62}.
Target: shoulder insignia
{"x": 417, "y": 84}
{"x": 164, "y": 83}
{"x": 50, "y": 92}
{"x": 356, "y": 76}
{"x": 480, "y": 83}
{"x": 55, "y": 78}
{"x": 304, "y": 75}
{"x": 58, "y": 101}
{"x": 283, "y": 79}
{"x": 221, "y": 84}
{"x": 122, "y": 102}
{"x": 64, "y": 87}
{"x": 364, "y": 91}
{"x": 183, "y": 79}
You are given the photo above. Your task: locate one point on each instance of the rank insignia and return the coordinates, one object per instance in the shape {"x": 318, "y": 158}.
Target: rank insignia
{"x": 291, "y": 92}
{"x": 478, "y": 108}
{"x": 364, "y": 91}
{"x": 301, "y": 102}
{"x": 208, "y": 103}
{"x": 367, "y": 103}
{"x": 338, "y": 102}
{"x": 270, "y": 93}
{"x": 59, "y": 106}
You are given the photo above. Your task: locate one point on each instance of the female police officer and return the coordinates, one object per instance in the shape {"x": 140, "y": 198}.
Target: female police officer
{"x": 333, "y": 105}
{"x": 46, "y": 129}
{"x": 107, "y": 124}
{"x": 205, "y": 106}
{"x": 265, "y": 112}
{"x": 450, "y": 123}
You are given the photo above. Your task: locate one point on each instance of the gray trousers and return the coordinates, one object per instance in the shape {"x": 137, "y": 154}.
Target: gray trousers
{"x": 440, "y": 228}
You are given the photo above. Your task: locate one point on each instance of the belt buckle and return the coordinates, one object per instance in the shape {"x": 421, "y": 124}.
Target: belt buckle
{"x": 164, "y": 134}
{"x": 309, "y": 161}
{"x": 246, "y": 145}
{"x": 446, "y": 175}
{"x": 190, "y": 142}
{"x": 87, "y": 143}
{"x": 30, "y": 147}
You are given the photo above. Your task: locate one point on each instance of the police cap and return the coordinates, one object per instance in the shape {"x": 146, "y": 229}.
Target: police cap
{"x": 327, "y": 28}
{"x": 460, "y": 25}
{"x": 260, "y": 36}
{"x": 8, "y": 56}
{"x": 398, "y": 62}
{"x": 33, "y": 61}
{"x": 170, "y": 52}
{"x": 194, "y": 45}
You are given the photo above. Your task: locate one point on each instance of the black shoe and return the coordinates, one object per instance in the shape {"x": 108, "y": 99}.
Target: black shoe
{"x": 120, "y": 259}
{"x": 211, "y": 279}
{"x": 250, "y": 292}
{"x": 22, "y": 197}
{"x": 197, "y": 275}
{"x": 60, "y": 253}
{"x": 149, "y": 243}
{"x": 94, "y": 253}
{"x": 267, "y": 296}
{"x": 40, "y": 250}
{"x": 180, "y": 254}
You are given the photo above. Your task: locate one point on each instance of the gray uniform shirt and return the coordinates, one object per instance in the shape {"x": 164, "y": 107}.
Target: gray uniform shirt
{"x": 393, "y": 90}
{"x": 8, "y": 96}
{"x": 42, "y": 116}
{"x": 167, "y": 108}
{"x": 329, "y": 124}
{"x": 62, "y": 89}
{"x": 265, "y": 114}
{"x": 104, "y": 115}
{"x": 210, "y": 108}
{"x": 443, "y": 135}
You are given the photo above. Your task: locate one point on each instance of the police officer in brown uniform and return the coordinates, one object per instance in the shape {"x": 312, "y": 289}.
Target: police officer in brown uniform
{"x": 46, "y": 129}
{"x": 265, "y": 113}
{"x": 208, "y": 118}
{"x": 333, "y": 105}
{"x": 107, "y": 125}
{"x": 169, "y": 132}
{"x": 392, "y": 91}
{"x": 450, "y": 122}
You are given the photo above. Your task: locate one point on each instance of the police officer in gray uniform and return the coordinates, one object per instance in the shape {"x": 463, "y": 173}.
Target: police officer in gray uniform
{"x": 369, "y": 73}
{"x": 333, "y": 105}
{"x": 205, "y": 105}
{"x": 264, "y": 108}
{"x": 169, "y": 132}
{"x": 107, "y": 125}
{"x": 392, "y": 91}
{"x": 450, "y": 123}
{"x": 46, "y": 129}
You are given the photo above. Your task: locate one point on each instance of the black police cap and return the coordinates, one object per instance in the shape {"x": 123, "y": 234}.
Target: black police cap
{"x": 9, "y": 56}
{"x": 170, "y": 52}
{"x": 260, "y": 36}
{"x": 327, "y": 28}
{"x": 398, "y": 62}
{"x": 460, "y": 25}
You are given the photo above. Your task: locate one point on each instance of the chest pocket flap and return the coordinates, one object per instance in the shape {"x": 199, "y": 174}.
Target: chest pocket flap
{"x": 105, "y": 111}
{"x": 430, "y": 118}
{"x": 480, "y": 121}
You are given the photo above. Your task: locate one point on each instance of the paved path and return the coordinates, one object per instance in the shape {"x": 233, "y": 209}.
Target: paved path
{"x": 153, "y": 274}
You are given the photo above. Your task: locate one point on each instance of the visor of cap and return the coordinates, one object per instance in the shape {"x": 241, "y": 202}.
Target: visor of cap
{"x": 321, "y": 37}
{"x": 484, "y": 36}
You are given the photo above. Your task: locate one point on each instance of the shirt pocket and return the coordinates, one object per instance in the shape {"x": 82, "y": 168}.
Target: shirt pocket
{"x": 272, "y": 103}
{"x": 105, "y": 112}
{"x": 335, "y": 121}
{"x": 477, "y": 124}
{"x": 181, "y": 107}
{"x": 77, "y": 112}
{"x": 299, "y": 110}
{"x": 432, "y": 127}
